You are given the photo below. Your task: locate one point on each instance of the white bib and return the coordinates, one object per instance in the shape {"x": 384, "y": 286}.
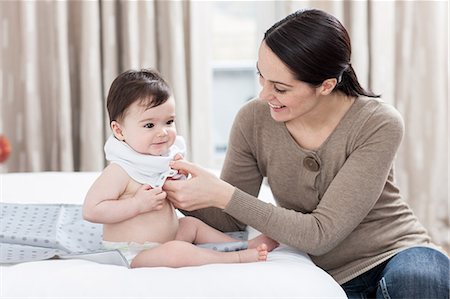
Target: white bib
{"x": 144, "y": 169}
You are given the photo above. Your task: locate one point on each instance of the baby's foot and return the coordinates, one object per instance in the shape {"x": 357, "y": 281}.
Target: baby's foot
{"x": 262, "y": 239}
{"x": 258, "y": 254}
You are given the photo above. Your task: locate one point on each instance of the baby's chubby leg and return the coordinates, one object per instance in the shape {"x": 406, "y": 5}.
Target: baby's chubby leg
{"x": 177, "y": 254}
{"x": 195, "y": 231}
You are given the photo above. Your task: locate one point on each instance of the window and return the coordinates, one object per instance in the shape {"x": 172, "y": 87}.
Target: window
{"x": 237, "y": 30}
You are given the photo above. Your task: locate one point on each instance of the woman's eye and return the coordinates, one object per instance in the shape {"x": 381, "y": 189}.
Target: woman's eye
{"x": 149, "y": 125}
{"x": 279, "y": 90}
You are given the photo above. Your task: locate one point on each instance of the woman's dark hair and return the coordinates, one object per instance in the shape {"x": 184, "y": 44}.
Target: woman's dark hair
{"x": 145, "y": 85}
{"x": 315, "y": 46}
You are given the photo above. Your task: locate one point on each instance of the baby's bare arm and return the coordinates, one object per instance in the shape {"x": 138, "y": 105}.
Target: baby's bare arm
{"x": 101, "y": 204}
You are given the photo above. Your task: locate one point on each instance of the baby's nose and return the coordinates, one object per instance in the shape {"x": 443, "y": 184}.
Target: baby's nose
{"x": 162, "y": 132}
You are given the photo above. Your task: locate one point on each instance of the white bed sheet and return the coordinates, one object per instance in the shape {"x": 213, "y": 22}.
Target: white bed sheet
{"x": 288, "y": 273}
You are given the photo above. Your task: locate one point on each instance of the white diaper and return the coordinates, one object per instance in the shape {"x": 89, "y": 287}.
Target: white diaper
{"x": 129, "y": 249}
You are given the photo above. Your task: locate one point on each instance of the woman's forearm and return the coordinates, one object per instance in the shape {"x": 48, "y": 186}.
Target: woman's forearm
{"x": 223, "y": 194}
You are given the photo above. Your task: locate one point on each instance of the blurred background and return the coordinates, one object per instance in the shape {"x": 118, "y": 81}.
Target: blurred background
{"x": 58, "y": 59}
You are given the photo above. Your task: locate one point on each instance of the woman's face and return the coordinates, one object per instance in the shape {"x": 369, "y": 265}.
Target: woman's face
{"x": 287, "y": 97}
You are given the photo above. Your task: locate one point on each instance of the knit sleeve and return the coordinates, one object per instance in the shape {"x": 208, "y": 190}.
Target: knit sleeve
{"x": 349, "y": 198}
{"x": 240, "y": 167}
{"x": 240, "y": 170}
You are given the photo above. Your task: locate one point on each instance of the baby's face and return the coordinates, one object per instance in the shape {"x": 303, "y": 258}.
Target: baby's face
{"x": 150, "y": 131}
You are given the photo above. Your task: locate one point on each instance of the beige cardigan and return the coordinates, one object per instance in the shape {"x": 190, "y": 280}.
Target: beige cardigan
{"x": 339, "y": 203}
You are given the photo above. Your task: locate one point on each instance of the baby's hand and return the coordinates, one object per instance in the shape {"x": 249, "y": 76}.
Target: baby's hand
{"x": 149, "y": 199}
{"x": 178, "y": 156}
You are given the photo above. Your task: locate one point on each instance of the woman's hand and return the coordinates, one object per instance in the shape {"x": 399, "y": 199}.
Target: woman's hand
{"x": 203, "y": 189}
{"x": 179, "y": 157}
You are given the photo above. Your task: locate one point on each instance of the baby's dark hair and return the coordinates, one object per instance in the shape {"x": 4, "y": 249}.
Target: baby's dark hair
{"x": 145, "y": 85}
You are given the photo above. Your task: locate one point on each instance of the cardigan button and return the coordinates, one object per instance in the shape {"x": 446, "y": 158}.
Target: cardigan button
{"x": 311, "y": 164}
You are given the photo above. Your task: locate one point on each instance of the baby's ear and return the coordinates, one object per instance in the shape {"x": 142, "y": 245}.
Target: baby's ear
{"x": 117, "y": 130}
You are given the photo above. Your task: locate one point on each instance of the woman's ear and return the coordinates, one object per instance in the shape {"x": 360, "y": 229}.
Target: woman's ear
{"x": 327, "y": 86}
{"x": 117, "y": 130}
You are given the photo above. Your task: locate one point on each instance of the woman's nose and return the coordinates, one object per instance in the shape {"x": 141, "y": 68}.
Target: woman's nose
{"x": 265, "y": 94}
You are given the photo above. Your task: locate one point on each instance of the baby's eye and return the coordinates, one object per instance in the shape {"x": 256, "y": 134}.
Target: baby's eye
{"x": 149, "y": 125}
{"x": 170, "y": 122}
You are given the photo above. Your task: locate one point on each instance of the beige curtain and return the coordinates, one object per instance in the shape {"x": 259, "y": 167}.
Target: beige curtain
{"x": 400, "y": 50}
{"x": 59, "y": 58}
{"x": 421, "y": 95}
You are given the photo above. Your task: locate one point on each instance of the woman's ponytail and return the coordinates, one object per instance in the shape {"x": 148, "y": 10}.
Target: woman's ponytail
{"x": 348, "y": 83}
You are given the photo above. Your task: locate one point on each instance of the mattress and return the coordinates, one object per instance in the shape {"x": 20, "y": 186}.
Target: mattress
{"x": 288, "y": 273}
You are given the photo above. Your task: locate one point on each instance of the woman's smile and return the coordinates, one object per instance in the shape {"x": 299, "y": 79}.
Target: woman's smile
{"x": 276, "y": 107}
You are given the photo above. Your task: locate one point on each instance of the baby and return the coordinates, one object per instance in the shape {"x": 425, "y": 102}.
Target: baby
{"x": 127, "y": 198}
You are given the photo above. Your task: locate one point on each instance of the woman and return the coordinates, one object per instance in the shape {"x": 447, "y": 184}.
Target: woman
{"x": 326, "y": 146}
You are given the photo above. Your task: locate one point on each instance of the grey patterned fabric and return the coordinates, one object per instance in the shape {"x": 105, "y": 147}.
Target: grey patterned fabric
{"x": 32, "y": 232}
{"x": 225, "y": 247}
{"x": 41, "y": 231}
